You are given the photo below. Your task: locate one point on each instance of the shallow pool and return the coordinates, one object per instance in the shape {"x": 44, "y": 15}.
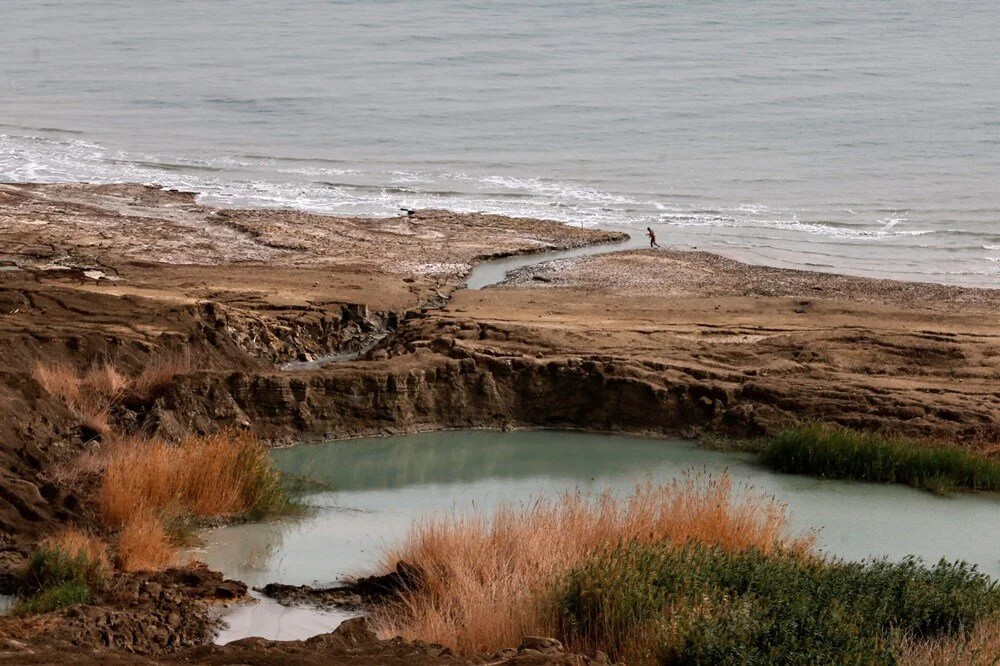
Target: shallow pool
{"x": 380, "y": 486}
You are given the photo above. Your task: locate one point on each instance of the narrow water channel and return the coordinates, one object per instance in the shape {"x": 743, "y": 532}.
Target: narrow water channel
{"x": 495, "y": 271}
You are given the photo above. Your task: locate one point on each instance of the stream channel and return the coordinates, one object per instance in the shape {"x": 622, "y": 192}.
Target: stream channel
{"x": 377, "y": 488}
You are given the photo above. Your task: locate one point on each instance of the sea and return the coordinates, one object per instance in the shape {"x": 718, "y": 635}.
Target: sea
{"x": 837, "y": 135}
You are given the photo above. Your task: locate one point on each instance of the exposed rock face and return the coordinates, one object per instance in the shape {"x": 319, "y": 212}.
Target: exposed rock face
{"x": 433, "y": 390}
{"x": 428, "y": 390}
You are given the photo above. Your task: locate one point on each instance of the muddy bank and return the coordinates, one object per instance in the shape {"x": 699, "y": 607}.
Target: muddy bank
{"x": 353, "y": 643}
{"x": 145, "y": 613}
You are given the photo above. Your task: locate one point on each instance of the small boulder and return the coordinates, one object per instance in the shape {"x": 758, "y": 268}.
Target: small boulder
{"x": 355, "y": 631}
{"x": 541, "y": 644}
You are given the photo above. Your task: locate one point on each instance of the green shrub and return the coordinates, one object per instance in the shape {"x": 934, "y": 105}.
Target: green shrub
{"x": 51, "y": 566}
{"x": 55, "y": 578}
{"x": 54, "y": 598}
{"x": 699, "y": 605}
{"x": 840, "y": 453}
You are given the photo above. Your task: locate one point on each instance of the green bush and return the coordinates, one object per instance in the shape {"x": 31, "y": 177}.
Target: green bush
{"x": 55, "y": 578}
{"x": 839, "y": 453}
{"x": 54, "y": 598}
{"x": 699, "y": 605}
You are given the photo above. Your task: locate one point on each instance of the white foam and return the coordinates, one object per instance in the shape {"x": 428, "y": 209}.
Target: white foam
{"x": 277, "y": 183}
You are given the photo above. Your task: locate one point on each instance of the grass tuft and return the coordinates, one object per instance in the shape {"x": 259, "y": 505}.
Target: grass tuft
{"x": 839, "y": 453}
{"x": 90, "y": 395}
{"x": 53, "y": 598}
{"x": 153, "y": 491}
{"x": 158, "y": 374}
{"x": 223, "y": 475}
{"x": 93, "y": 393}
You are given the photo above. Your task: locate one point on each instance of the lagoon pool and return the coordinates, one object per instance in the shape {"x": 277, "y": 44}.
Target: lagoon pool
{"x": 374, "y": 489}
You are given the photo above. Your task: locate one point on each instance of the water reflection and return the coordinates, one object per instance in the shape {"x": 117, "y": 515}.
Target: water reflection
{"x": 455, "y": 457}
{"x": 381, "y": 486}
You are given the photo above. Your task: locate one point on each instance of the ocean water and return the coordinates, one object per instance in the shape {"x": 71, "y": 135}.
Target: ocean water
{"x": 844, "y": 135}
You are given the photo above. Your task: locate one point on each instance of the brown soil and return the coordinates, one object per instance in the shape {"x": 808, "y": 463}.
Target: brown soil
{"x": 351, "y": 644}
{"x": 644, "y": 341}
{"x": 652, "y": 342}
{"x": 147, "y": 613}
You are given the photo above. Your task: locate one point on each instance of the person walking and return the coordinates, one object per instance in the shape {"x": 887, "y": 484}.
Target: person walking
{"x": 652, "y": 237}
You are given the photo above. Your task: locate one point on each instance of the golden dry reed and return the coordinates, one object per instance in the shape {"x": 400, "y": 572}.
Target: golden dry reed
{"x": 93, "y": 393}
{"x": 90, "y": 395}
{"x": 212, "y": 476}
{"x": 158, "y": 373}
{"x": 147, "y": 484}
{"x": 488, "y": 579}
{"x": 981, "y": 647}
{"x": 143, "y": 543}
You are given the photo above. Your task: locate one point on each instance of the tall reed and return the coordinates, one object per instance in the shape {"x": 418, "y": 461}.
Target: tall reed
{"x": 149, "y": 485}
{"x": 225, "y": 474}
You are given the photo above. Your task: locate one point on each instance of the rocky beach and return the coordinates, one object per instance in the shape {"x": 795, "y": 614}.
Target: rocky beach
{"x": 301, "y": 327}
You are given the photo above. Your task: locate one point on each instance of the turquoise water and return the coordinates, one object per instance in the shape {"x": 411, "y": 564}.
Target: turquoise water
{"x": 381, "y": 487}
{"x": 851, "y": 135}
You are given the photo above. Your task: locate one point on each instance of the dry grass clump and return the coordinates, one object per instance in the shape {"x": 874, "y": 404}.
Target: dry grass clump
{"x": 488, "y": 580}
{"x": 149, "y": 485}
{"x": 90, "y": 395}
{"x": 143, "y": 543}
{"x": 77, "y": 544}
{"x": 93, "y": 393}
{"x": 981, "y": 647}
{"x": 225, "y": 474}
{"x": 158, "y": 373}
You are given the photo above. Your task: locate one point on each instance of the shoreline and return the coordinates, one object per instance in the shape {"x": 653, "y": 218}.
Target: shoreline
{"x": 639, "y": 342}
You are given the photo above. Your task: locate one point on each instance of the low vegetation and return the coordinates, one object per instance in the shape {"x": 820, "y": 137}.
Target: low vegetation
{"x": 663, "y": 604}
{"x": 151, "y": 492}
{"x": 149, "y": 486}
{"x": 488, "y": 580}
{"x": 691, "y": 572}
{"x": 840, "y": 453}
{"x": 979, "y": 647}
{"x": 65, "y": 569}
{"x": 94, "y": 392}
